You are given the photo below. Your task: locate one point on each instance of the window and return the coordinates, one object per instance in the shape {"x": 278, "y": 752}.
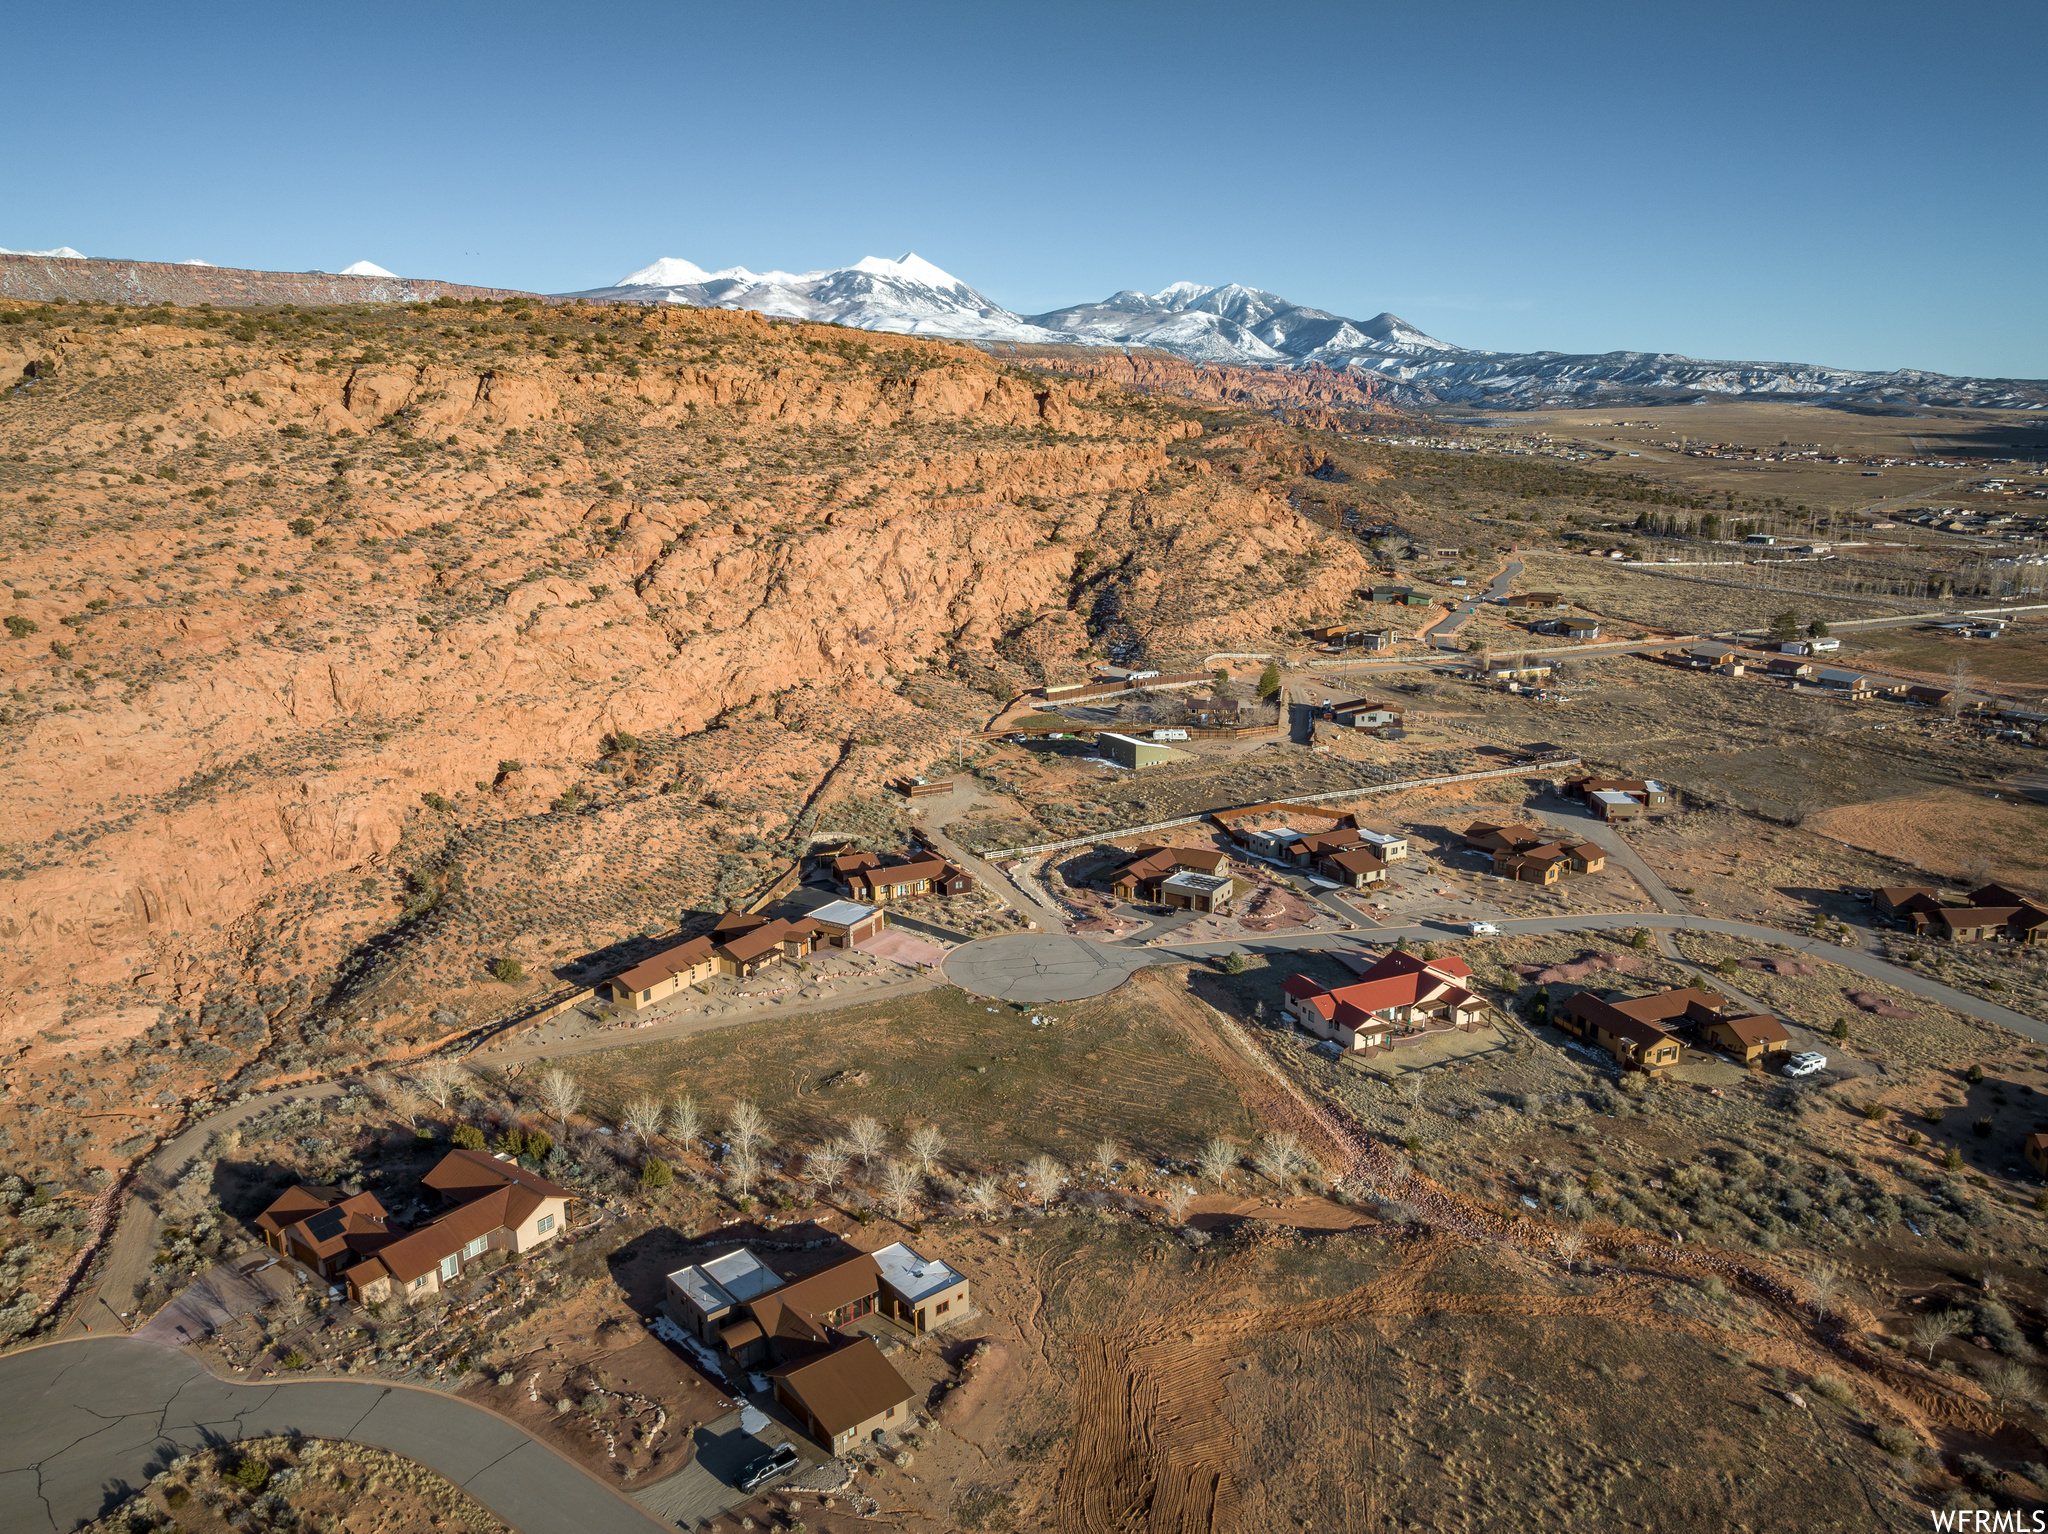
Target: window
{"x": 418, "y": 1283}
{"x": 944, "y": 1306}
{"x": 476, "y": 1247}
{"x": 545, "y": 1224}
{"x": 450, "y": 1266}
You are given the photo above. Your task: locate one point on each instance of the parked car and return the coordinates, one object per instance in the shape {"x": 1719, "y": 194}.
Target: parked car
{"x": 759, "y": 1472}
{"x": 1805, "y": 1063}
{"x": 1479, "y": 928}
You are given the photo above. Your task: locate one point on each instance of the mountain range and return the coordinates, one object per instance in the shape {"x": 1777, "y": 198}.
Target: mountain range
{"x": 1250, "y": 327}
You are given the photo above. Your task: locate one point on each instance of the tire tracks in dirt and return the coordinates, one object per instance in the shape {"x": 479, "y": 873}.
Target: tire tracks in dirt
{"x": 1153, "y": 1450}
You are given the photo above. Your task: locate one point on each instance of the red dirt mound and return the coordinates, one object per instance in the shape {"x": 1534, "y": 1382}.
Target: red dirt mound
{"x": 1874, "y": 1004}
{"x": 1588, "y": 963}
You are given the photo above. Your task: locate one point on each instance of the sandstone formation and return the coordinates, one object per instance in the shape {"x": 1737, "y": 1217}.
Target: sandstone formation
{"x": 51, "y": 279}
{"x": 352, "y": 649}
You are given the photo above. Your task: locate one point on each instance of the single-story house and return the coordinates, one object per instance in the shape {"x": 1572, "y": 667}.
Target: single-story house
{"x": 1636, "y": 1044}
{"x": 1141, "y": 877}
{"x": 1536, "y": 599}
{"x": 753, "y": 947}
{"x": 1354, "y": 866}
{"x": 661, "y": 975}
{"x": 326, "y": 1228}
{"x": 1852, "y": 684}
{"x": 1933, "y": 697}
{"x": 1901, "y": 903}
{"x": 1213, "y": 712}
{"x": 1547, "y": 862}
{"x": 1973, "y": 923}
{"x": 1646, "y": 792}
{"x": 874, "y": 879}
{"x": 1518, "y": 668}
{"x": 1749, "y": 1039}
{"x": 499, "y": 1206}
{"x": 1789, "y": 666}
{"x": 1196, "y": 892}
{"x": 1399, "y": 998}
{"x": 844, "y": 923}
{"x": 2036, "y": 1149}
{"x": 844, "y": 1396}
{"x": 1614, "y": 804}
{"x": 1570, "y": 628}
{"x": 1362, "y": 714}
{"x": 705, "y": 1296}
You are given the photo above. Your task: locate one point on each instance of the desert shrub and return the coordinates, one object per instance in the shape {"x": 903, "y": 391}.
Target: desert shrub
{"x": 1896, "y": 1441}
{"x": 1830, "y": 1388}
{"x": 507, "y": 970}
{"x": 655, "y": 1173}
{"x": 468, "y": 1136}
{"x": 251, "y": 1474}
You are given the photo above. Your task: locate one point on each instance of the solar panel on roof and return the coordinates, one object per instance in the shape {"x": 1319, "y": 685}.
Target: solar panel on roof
{"x": 325, "y": 1225}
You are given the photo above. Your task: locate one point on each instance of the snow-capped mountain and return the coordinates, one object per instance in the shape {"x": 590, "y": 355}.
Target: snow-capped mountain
{"x": 909, "y": 296}
{"x": 364, "y": 269}
{"x": 62, "y": 253}
{"x": 1250, "y": 327}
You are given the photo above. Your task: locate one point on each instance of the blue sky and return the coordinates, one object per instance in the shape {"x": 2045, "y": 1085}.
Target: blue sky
{"x": 1854, "y": 184}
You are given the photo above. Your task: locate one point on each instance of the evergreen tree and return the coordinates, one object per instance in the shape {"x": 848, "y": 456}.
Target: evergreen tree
{"x": 1269, "y": 681}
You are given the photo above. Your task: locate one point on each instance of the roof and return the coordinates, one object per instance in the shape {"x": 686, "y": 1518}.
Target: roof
{"x": 1978, "y": 915}
{"x": 1667, "y": 1004}
{"x": 1841, "y": 678}
{"x": 912, "y": 1275}
{"x": 1152, "y": 862}
{"x": 842, "y": 913}
{"x": 1357, "y": 860}
{"x": 1200, "y": 884}
{"x": 1753, "y": 1030}
{"x": 791, "y": 1311}
{"x": 679, "y": 960}
{"x": 1362, "y": 705}
{"x": 851, "y": 861}
{"x": 1303, "y": 985}
{"x": 325, "y": 1220}
{"x": 1613, "y": 796}
{"x": 846, "y": 1387}
{"x": 468, "y": 1173}
{"x": 906, "y": 871}
{"x": 1400, "y": 980}
{"x": 726, "y": 1280}
{"x": 761, "y": 940}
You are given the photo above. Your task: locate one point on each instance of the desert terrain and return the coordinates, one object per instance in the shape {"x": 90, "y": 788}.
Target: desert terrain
{"x": 379, "y": 676}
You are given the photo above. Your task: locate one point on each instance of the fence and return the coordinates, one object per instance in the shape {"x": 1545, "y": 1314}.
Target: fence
{"x": 1089, "y": 692}
{"x": 1339, "y": 793}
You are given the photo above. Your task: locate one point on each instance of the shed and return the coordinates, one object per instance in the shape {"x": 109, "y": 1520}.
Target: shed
{"x": 1129, "y": 751}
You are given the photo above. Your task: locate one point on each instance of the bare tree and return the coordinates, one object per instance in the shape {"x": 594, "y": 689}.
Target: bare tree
{"x": 1107, "y": 1154}
{"x": 1175, "y": 1201}
{"x": 1932, "y": 1328}
{"x": 867, "y": 1139}
{"x": 984, "y": 1196}
{"x": 741, "y": 1168}
{"x": 900, "y": 1186}
{"x": 401, "y": 1097}
{"x": 1043, "y": 1177}
{"x": 685, "y": 1121}
{"x": 1280, "y": 1156}
{"x": 745, "y": 1125}
{"x": 1219, "y": 1160}
{"x": 1821, "y": 1286}
{"x": 561, "y": 1095}
{"x": 642, "y": 1120}
{"x": 827, "y": 1164}
{"x": 927, "y": 1144}
{"x": 2009, "y": 1383}
{"x": 1958, "y": 685}
{"x": 441, "y": 1080}
{"x": 1570, "y": 1245}
{"x": 1573, "y": 1199}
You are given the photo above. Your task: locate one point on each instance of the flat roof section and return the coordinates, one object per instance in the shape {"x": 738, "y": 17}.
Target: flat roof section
{"x": 727, "y": 1280}
{"x": 1201, "y": 884}
{"x": 913, "y": 1276}
{"x": 842, "y": 913}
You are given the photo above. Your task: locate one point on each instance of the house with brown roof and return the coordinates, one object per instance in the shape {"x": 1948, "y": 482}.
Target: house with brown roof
{"x": 660, "y": 976}
{"x": 1620, "y": 798}
{"x": 1531, "y": 856}
{"x": 1399, "y": 999}
{"x": 1903, "y": 902}
{"x": 1993, "y": 913}
{"x": 1635, "y": 1042}
{"x": 1789, "y": 666}
{"x": 1362, "y": 714}
{"x": 326, "y": 1228}
{"x": 835, "y": 1382}
{"x": 1147, "y": 875}
{"x": 1752, "y": 1040}
{"x": 498, "y": 1206}
{"x": 1544, "y": 599}
{"x": 877, "y": 880}
{"x": 1352, "y": 867}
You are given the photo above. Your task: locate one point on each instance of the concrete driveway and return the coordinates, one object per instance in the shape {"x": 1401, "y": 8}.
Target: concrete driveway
{"x": 1045, "y": 967}
{"x": 705, "y": 1489}
{"x": 83, "y": 1425}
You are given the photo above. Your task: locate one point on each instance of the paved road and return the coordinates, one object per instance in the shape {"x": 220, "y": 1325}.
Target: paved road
{"x": 1045, "y": 967}
{"x": 84, "y": 1424}
{"x": 1050, "y": 969}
